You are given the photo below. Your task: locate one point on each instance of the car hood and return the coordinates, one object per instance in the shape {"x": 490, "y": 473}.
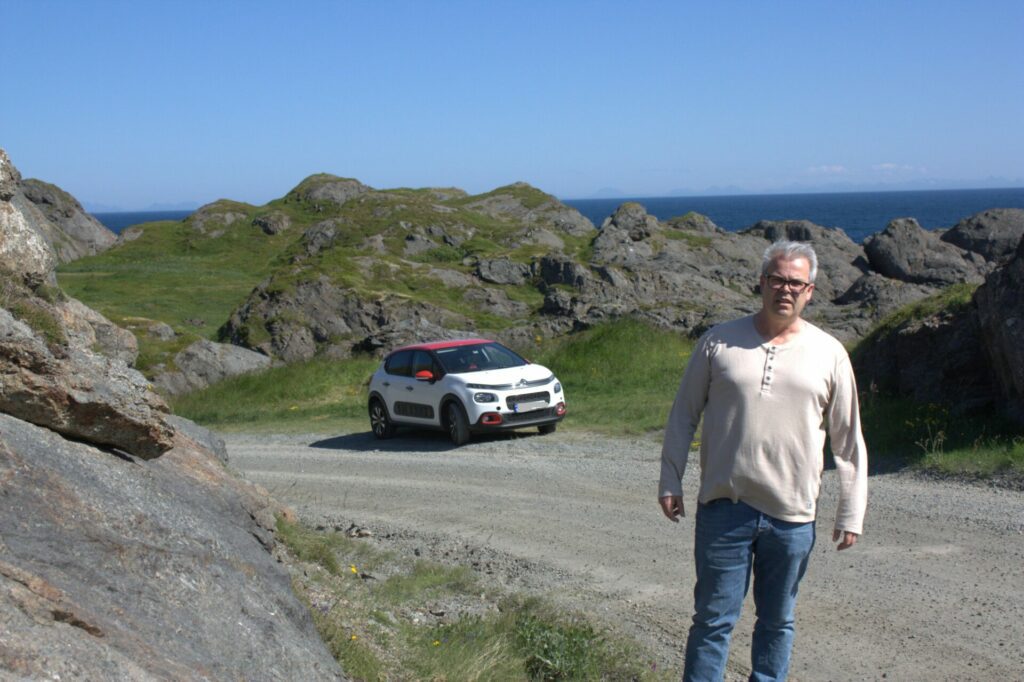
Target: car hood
{"x": 506, "y": 378}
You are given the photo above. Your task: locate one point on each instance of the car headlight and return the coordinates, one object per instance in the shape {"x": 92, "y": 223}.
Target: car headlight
{"x": 558, "y": 387}
{"x": 485, "y": 398}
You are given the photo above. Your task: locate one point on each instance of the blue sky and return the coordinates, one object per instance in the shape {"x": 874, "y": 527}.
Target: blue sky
{"x": 130, "y": 104}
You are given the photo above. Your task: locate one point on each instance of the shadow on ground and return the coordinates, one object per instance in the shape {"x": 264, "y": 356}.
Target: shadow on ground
{"x": 410, "y": 440}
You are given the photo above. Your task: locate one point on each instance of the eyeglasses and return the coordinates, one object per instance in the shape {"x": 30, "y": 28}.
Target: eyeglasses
{"x": 797, "y": 286}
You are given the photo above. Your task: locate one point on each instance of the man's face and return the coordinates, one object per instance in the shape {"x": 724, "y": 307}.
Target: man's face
{"x": 782, "y": 290}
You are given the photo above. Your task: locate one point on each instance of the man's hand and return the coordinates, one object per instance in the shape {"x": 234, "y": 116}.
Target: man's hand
{"x": 848, "y": 539}
{"x": 672, "y": 507}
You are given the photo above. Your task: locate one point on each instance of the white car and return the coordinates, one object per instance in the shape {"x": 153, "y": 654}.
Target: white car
{"x": 463, "y": 387}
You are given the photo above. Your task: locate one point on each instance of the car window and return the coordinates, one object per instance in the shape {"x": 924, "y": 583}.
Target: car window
{"x": 484, "y": 356}
{"x": 422, "y": 361}
{"x": 400, "y": 364}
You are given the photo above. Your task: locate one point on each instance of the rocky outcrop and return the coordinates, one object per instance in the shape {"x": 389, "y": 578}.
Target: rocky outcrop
{"x": 272, "y": 223}
{"x": 994, "y": 234}
{"x": 77, "y": 233}
{"x": 114, "y": 568}
{"x": 206, "y": 362}
{"x": 24, "y": 249}
{"x": 969, "y": 355}
{"x": 128, "y": 550}
{"x": 212, "y": 219}
{"x": 321, "y": 317}
{"x": 79, "y": 393}
{"x": 1000, "y": 312}
{"x": 42, "y": 225}
{"x": 527, "y": 205}
{"x": 325, "y": 188}
{"x": 907, "y": 252}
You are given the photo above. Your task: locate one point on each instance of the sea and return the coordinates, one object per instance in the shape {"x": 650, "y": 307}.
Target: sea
{"x": 859, "y": 214}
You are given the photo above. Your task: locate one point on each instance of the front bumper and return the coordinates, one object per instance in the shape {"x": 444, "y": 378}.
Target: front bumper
{"x": 497, "y": 421}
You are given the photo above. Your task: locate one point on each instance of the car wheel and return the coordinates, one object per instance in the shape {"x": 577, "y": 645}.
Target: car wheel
{"x": 458, "y": 424}
{"x": 380, "y": 422}
{"x": 545, "y": 429}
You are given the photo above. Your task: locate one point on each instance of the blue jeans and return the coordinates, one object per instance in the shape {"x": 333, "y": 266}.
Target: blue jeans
{"x": 731, "y": 540}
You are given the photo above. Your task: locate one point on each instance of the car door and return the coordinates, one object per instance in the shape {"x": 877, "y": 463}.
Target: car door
{"x": 413, "y": 401}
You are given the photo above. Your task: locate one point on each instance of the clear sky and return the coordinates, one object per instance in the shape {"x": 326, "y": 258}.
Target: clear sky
{"x": 130, "y": 104}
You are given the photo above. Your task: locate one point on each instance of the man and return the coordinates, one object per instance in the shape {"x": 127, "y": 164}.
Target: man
{"x": 769, "y": 386}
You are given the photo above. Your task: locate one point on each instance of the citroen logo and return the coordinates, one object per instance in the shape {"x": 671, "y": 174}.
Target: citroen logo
{"x": 522, "y": 382}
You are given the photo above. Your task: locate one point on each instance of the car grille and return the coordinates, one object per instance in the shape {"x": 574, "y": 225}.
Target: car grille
{"x": 514, "y": 400}
{"x": 534, "y": 415}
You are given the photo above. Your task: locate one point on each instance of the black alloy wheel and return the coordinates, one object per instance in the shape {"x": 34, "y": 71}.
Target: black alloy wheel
{"x": 458, "y": 423}
{"x": 380, "y": 422}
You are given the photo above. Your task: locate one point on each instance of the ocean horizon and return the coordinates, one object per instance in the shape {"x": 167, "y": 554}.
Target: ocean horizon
{"x": 859, "y": 214}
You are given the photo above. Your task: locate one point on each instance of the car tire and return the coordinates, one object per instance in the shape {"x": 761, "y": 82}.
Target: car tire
{"x": 457, "y": 422}
{"x": 380, "y": 420}
{"x": 545, "y": 429}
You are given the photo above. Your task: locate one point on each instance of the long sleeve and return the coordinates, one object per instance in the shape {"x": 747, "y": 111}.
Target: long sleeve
{"x": 684, "y": 419}
{"x": 848, "y": 449}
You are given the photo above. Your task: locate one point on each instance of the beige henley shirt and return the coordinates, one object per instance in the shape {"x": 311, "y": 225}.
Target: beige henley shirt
{"x": 767, "y": 409}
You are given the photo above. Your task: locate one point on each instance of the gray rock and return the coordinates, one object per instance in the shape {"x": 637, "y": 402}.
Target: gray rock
{"x": 320, "y": 316}
{"x": 119, "y": 569}
{"x": 201, "y": 436}
{"x": 1000, "y": 309}
{"x": 87, "y": 329}
{"x": 161, "y": 331}
{"x": 10, "y": 178}
{"x": 994, "y": 233}
{"x": 908, "y": 252}
{"x": 79, "y": 393}
{"x": 205, "y": 362}
{"x": 502, "y": 271}
{"x": 883, "y": 295}
{"x": 416, "y": 244}
{"x": 75, "y": 233}
{"x": 540, "y": 211}
{"x": 272, "y": 223}
{"x": 25, "y": 249}
{"x": 212, "y": 218}
{"x": 335, "y": 190}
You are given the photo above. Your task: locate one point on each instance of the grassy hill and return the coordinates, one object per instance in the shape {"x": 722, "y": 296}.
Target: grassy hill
{"x": 192, "y": 274}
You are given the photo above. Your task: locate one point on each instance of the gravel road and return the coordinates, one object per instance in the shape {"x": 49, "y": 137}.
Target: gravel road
{"x": 933, "y": 591}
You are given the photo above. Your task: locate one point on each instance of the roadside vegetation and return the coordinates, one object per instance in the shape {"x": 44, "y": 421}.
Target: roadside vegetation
{"x": 620, "y": 379}
{"x": 386, "y": 617}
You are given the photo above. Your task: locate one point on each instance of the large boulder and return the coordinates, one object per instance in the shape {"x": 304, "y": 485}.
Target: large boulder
{"x": 994, "y": 233}
{"x": 1000, "y": 310}
{"x": 24, "y": 249}
{"x": 325, "y": 188}
{"x": 321, "y": 317}
{"x": 78, "y": 392}
{"x": 117, "y": 569}
{"x": 908, "y": 252}
{"x": 77, "y": 233}
{"x": 206, "y": 362}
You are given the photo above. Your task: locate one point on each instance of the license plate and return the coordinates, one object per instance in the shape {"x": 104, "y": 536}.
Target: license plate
{"x": 530, "y": 407}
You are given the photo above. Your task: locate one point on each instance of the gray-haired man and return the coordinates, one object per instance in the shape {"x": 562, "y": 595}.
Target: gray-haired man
{"x": 769, "y": 387}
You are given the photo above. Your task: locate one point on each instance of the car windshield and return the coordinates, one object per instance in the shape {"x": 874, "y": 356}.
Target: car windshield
{"x": 478, "y": 358}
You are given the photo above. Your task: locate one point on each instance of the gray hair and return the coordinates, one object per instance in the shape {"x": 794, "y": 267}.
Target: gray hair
{"x": 788, "y": 251}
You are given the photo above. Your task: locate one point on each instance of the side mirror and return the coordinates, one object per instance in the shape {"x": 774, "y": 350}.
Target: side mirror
{"x": 424, "y": 375}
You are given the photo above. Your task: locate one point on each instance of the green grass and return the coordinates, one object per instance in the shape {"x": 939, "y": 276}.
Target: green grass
{"x": 302, "y": 396}
{"x": 373, "y": 610}
{"x": 620, "y": 378}
{"x": 176, "y": 275}
{"x": 899, "y": 432}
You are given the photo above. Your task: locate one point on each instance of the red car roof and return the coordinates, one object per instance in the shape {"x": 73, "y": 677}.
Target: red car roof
{"x": 439, "y": 345}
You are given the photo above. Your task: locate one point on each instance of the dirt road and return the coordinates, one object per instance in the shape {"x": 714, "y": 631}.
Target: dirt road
{"x": 934, "y": 590}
